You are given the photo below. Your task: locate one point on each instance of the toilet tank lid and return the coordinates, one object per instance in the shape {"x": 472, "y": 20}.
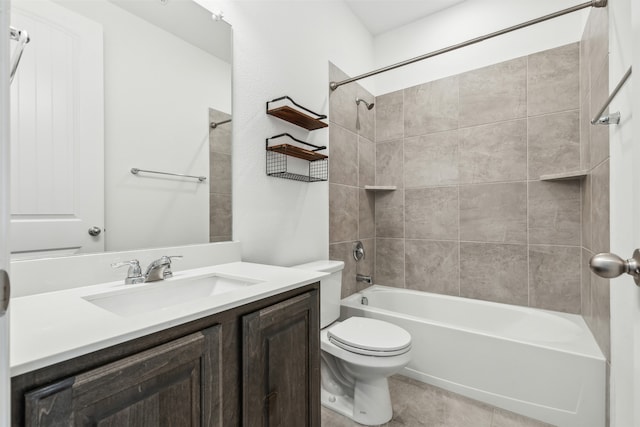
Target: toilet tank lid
{"x": 325, "y": 266}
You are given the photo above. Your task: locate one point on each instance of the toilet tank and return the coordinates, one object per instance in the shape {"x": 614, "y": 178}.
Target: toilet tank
{"x": 330, "y": 288}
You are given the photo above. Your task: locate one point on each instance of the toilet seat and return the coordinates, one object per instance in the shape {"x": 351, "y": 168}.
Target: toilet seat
{"x": 369, "y": 337}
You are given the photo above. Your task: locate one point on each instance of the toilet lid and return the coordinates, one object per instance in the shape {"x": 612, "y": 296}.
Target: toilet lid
{"x": 370, "y": 337}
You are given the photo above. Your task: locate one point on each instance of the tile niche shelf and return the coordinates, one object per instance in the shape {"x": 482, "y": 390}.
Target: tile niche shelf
{"x": 380, "y": 187}
{"x": 563, "y": 176}
{"x": 279, "y": 166}
{"x": 298, "y": 115}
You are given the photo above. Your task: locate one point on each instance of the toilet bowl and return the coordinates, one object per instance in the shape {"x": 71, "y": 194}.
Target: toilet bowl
{"x": 358, "y": 354}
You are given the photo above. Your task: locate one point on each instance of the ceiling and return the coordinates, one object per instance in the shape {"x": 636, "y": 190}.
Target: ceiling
{"x": 379, "y": 16}
{"x": 171, "y": 15}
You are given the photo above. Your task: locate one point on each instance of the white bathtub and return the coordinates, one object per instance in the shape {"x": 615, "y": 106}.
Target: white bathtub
{"x": 542, "y": 364}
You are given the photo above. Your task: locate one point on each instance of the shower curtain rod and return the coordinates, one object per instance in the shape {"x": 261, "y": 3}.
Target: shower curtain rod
{"x": 593, "y": 3}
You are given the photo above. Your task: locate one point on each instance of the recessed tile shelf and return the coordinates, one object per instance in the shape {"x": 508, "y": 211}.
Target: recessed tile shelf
{"x": 564, "y": 176}
{"x": 380, "y": 187}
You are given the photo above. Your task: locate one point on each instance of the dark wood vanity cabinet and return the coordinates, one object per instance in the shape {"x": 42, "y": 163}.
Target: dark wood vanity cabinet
{"x": 278, "y": 382}
{"x": 254, "y": 365}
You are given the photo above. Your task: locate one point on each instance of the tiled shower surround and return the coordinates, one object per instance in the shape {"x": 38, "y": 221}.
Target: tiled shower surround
{"x": 470, "y": 216}
{"x": 220, "y": 182}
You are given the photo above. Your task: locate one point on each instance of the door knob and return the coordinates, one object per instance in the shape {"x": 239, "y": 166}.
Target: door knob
{"x": 5, "y": 292}
{"x": 610, "y": 266}
{"x": 95, "y": 231}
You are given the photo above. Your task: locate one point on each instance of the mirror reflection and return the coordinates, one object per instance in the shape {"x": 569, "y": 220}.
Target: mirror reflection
{"x": 107, "y": 86}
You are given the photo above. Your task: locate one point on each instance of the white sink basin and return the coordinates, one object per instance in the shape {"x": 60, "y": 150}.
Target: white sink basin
{"x": 147, "y": 297}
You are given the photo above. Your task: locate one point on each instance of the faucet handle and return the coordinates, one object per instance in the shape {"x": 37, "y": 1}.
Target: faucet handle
{"x": 134, "y": 275}
{"x": 167, "y": 271}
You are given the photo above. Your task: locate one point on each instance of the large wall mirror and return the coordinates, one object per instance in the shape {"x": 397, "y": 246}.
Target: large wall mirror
{"x": 107, "y": 86}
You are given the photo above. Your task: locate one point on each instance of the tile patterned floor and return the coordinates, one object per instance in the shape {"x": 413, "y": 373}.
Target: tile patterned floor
{"x": 416, "y": 404}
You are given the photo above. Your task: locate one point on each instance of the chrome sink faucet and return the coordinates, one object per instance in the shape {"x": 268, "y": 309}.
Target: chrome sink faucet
{"x": 134, "y": 275}
{"x": 159, "y": 269}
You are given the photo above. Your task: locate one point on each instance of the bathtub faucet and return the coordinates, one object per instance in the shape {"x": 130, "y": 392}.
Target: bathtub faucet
{"x": 363, "y": 278}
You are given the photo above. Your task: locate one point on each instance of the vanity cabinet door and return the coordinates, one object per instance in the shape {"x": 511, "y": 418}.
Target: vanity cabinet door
{"x": 281, "y": 364}
{"x": 175, "y": 384}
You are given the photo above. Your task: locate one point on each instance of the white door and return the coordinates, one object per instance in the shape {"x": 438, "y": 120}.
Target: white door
{"x": 625, "y": 214}
{"x": 4, "y": 207}
{"x": 57, "y": 132}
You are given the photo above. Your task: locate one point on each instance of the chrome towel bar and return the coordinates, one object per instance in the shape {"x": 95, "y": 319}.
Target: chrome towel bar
{"x": 135, "y": 171}
{"x": 614, "y": 118}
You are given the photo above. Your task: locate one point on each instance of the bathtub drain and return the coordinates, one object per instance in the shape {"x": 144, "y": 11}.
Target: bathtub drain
{"x": 364, "y": 301}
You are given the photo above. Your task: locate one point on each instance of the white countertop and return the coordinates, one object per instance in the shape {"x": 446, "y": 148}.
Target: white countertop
{"x": 48, "y": 328}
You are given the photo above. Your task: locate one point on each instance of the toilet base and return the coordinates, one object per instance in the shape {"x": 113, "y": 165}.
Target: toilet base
{"x": 371, "y": 404}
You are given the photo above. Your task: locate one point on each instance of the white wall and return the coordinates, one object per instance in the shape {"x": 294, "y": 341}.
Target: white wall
{"x": 625, "y": 233}
{"x": 465, "y": 21}
{"x": 158, "y": 90}
{"x": 283, "y": 48}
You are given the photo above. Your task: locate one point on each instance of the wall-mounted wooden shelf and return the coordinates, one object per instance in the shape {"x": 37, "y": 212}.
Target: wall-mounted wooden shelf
{"x": 563, "y": 176}
{"x": 295, "y": 116}
{"x": 300, "y": 153}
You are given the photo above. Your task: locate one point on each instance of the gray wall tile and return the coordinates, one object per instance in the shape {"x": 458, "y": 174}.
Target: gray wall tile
{"x": 389, "y": 213}
{"x": 366, "y": 219}
{"x": 220, "y": 214}
{"x": 220, "y": 137}
{"x": 431, "y": 213}
{"x": 494, "y": 152}
{"x": 494, "y": 93}
{"x": 342, "y": 101}
{"x": 343, "y": 213}
{"x": 554, "y": 278}
{"x": 553, "y": 82}
{"x": 389, "y": 164}
{"x": 431, "y": 107}
{"x": 598, "y": 40}
{"x": 342, "y": 252}
{"x": 390, "y": 262}
{"x": 599, "y": 135}
{"x": 595, "y": 187}
{"x": 494, "y": 212}
{"x": 431, "y": 159}
{"x": 366, "y": 162}
{"x": 586, "y": 212}
{"x": 554, "y": 212}
{"x": 600, "y": 207}
{"x": 220, "y": 172}
{"x": 367, "y": 118}
{"x": 585, "y": 134}
{"x": 432, "y": 266}
{"x": 584, "y": 63}
{"x": 366, "y": 266}
{"x": 343, "y": 156}
{"x": 389, "y": 116}
{"x": 494, "y": 272}
{"x": 554, "y": 143}
{"x": 585, "y": 292}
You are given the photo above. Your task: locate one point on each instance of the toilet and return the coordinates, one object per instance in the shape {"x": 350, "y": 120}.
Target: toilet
{"x": 358, "y": 354}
